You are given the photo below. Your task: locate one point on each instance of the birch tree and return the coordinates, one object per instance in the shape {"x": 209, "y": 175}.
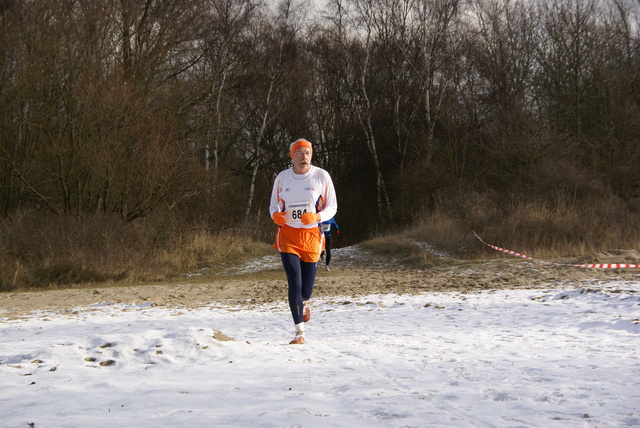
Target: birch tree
{"x": 275, "y": 49}
{"x": 359, "y": 69}
{"x": 227, "y": 47}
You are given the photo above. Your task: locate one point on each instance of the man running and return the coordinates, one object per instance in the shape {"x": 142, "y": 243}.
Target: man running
{"x": 303, "y": 196}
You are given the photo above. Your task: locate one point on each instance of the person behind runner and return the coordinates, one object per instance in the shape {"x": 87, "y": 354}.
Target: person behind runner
{"x": 326, "y": 228}
{"x": 303, "y": 196}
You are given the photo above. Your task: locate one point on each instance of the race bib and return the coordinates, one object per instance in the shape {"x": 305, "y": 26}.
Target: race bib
{"x": 296, "y": 210}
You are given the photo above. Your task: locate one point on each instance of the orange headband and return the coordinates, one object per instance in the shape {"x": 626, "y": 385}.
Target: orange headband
{"x": 297, "y": 144}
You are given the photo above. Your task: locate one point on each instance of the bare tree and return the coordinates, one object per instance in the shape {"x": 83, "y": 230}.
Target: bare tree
{"x": 275, "y": 50}
{"x": 328, "y": 92}
{"x": 227, "y": 51}
{"x": 504, "y": 44}
{"x": 358, "y": 62}
{"x": 438, "y": 60}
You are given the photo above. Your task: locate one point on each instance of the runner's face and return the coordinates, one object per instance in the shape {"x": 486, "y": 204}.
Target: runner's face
{"x": 302, "y": 160}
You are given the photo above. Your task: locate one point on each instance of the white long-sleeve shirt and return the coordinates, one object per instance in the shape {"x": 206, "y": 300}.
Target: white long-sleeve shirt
{"x": 297, "y": 194}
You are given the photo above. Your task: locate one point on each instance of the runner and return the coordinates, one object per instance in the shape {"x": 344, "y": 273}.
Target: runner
{"x": 303, "y": 197}
{"x": 326, "y": 228}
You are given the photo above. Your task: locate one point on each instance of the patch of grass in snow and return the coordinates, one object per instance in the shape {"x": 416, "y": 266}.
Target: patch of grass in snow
{"x": 402, "y": 250}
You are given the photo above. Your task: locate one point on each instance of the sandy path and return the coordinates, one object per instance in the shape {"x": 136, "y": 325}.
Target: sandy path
{"x": 351, "y": 275}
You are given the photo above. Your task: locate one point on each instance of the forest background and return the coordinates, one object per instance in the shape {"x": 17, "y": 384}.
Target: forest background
{"x": 139, "y": 139}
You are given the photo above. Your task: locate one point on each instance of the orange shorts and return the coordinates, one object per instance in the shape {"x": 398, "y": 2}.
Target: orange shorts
{"x": 305, "y": 243}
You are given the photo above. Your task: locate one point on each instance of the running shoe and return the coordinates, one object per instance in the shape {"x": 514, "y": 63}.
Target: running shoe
{"x": 299, "y": 340}
{"x": 307, "y": 314}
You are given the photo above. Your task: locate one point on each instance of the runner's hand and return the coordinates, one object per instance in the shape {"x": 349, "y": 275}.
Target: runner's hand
{"x": 279, "y": 218}
{"x": 309, "y": 218}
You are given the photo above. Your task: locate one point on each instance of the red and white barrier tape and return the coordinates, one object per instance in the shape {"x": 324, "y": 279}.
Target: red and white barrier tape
{"x": 592, "y": 266}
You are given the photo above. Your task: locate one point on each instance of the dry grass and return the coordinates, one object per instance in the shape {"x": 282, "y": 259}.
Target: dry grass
{"x": 553, "y": 230}
{"x": 435, "y": 241}
{"x": 562, "y": 230}
{"x": 69, "y": 252}
{"x": 393, "y": 247}
{"x": 558, "y": 228}
{"x": 202, "y": 250}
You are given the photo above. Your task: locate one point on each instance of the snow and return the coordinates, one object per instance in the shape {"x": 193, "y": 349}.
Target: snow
{"x": 502, "y": 358}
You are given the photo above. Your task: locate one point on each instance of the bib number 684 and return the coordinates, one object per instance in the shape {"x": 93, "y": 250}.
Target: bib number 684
{"x": 297, "y": 214}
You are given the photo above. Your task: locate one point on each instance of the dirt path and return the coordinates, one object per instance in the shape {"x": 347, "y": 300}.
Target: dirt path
{"x": 350, "y": 276}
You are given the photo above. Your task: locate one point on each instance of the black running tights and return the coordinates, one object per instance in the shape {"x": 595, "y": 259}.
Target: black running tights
{"x": 300, "y": 276}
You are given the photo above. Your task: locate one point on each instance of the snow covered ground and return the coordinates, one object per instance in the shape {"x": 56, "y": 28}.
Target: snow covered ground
{"x": 502, "y": 358}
